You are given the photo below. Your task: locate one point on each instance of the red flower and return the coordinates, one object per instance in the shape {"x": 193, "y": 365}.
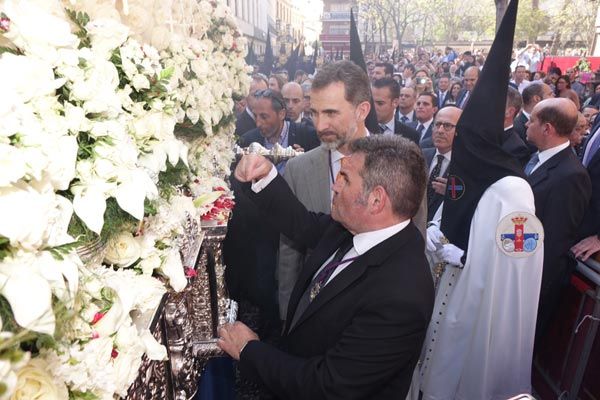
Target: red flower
{"x": 114, "y": 353}
{"x": 190, "y": 272}
{"x": 97, "y": 317}
{"x": 4, "y": 24}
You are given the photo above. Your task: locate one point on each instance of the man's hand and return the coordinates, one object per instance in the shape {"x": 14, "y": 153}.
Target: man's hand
{"x": 234, "y": 337}
{"x": 297, "y": 147}
{"x": 252, "y": 167}
{"x": 439, "y": 185}
{"x": 588, "y": 246}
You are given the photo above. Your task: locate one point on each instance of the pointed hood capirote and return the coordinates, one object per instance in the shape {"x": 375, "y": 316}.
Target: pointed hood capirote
{"x": 267, "y": 65}
{"x": 478, "y": 160}
{"x": 356, "y": 56}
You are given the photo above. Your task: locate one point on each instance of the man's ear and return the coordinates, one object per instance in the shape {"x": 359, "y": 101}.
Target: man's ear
{"x": 378, "y": 199}
{"x": 362, "y": 110}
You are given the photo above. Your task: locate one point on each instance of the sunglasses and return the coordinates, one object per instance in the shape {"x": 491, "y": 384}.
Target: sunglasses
{"x": 271, "y": 94}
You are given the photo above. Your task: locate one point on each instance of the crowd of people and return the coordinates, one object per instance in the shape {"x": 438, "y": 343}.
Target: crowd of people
{"x": 364, "y": 279}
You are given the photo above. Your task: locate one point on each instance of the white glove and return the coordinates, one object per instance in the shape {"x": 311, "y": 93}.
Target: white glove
{"x": 434, "y": 238}
{"x": 451, "y": 254}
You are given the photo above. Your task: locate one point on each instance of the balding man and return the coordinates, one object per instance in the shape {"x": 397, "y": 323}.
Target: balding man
{"x": 562, "y": 189}
{"x": 532, "y": 95}
{"x": 438, "y": 158}
{"x": 469, "y": 82}
{"x": 246, "y": 120}
{"x": 294, "y": 102}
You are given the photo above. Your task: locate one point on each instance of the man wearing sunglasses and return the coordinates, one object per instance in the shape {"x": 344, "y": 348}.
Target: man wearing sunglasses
{"x": 272, "y": 127}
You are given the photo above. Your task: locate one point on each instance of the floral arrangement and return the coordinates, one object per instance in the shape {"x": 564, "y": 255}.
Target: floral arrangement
{"x": 117, "y": 128}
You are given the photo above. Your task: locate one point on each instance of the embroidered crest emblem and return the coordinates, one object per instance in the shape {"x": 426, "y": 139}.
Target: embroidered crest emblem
{"x": 455, "y": 187}
{"x": 519, "y": 234}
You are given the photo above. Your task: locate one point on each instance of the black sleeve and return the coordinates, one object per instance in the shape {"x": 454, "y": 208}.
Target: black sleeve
{"x": 287, "y": 214}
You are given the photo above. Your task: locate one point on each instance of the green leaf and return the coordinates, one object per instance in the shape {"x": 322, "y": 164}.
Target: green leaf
{"x": 166, "y": 73}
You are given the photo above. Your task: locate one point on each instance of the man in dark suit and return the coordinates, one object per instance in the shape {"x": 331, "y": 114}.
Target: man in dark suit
{"x": 426, "y": 107}
{"x": 246, "y": 120}
{"x": 511, "y": 142}
{"x": 386, "y": 94}
{"x": 359, "y": 311}
{"x": 469, "y": 81}
{"x": 438, "y": 158}
{"x": 561, "y": 189}
{"x": 532, "y": 95}
{"x": 250, "y": 248}
{"x": 443, "y": 89}
{"x": 272, "y": 126}
{"x": 406, "y": 106}
{"x": 589, "y": 230}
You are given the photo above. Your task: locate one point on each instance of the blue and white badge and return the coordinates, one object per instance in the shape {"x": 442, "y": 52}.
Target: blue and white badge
{"x": 519, "y": 234}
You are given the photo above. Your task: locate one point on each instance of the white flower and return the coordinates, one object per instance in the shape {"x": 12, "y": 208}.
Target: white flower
{"x": 26, "y": 18}
{"x": 34, "y": 382}
{"x": 27, "y": 215}
{"x": 140, "y": 82}
{"x": 123, "y": 250}
{"x": 149, "y": 264}
{"x": 106, "y": 35}
{"x": 28, "y": 294}
{"x": 173, "y": 269}
{"x": 132, "y": 191}
{"x": 89, "y": 204}
{"x": 112, "y": 320}
{"x": 12, "y": 164}
{"x": 29, "y": 77}
{"x": 154, "y": 350}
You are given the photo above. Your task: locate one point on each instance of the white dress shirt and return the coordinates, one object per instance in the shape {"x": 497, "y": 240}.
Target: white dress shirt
{"x": 409, "y": 116}
{"x": 362, "y": 242}
{"x": 425, "y": 127}
{"x": 390, "y": 126}
{"x": 548, "y": 154}
{"x": 445, "y": 163}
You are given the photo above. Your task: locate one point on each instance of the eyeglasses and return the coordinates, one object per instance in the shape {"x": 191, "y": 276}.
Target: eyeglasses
{"x": 271, "y": 94}
{"x": 446, "y": 125}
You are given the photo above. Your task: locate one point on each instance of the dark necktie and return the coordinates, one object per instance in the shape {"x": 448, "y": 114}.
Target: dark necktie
{"x": 321, "y": 279}
{"x": 435, "y": 172}
{"x": 404, "y": 119}
{"x": 464, "y": 100}
{"x": 420, "y": 129}
{"x": 532, "y": 163}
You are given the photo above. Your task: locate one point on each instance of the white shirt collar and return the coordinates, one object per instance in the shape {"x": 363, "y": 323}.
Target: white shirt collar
{"x": 549, "y": 153}
{"x": 409, "y": 116}
{"x": 526, "y": 114}
{"x": 390, "y": 124}
{"x": 425, "y": 125}
{"x": 336, "y": 156}
{"x": 250, "y": 113}
{"x": 447, "y": 156}
{"x": 508, "y": 127}
{"x": 299, "y": 120}
{"x": 365, "y": 241}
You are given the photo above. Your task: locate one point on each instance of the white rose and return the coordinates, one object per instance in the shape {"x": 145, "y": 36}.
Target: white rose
{"x": 106, "y": 35}
{"x": 123, "y": 250}
{"x": 140, "y": 82}
{"x": 34, "y": 382}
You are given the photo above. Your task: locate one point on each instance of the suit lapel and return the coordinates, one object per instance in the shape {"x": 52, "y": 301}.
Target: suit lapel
{"x": 372, "y": 258}
{"x": 541, "y": 174}
{"x": 311, "y": 266}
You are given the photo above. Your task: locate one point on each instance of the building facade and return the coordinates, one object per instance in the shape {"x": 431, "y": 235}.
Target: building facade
{"x": 335, "y": 34}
